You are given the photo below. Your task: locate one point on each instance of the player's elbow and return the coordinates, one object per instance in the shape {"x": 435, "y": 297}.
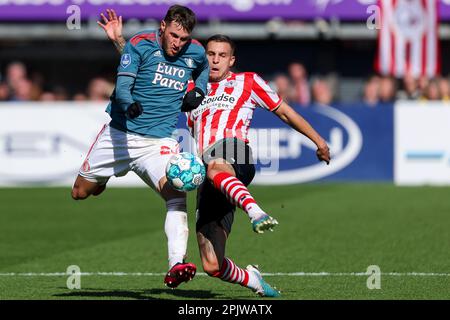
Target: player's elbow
{"x": 285, "y": 118}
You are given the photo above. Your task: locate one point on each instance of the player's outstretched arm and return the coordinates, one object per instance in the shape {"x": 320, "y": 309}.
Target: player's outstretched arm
{"x": 113, "y": 29}
{"x": 298, "y": 123}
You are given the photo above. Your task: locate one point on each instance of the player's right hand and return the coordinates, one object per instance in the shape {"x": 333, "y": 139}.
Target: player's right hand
{"x": 323, "y": 153}
{"x": 112, "y": 25}
{"x": 134, "y": 110}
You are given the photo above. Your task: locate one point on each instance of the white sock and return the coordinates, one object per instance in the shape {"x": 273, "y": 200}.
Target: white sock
{"x": 255, "y": 212}
{"x": 177, "y": 232}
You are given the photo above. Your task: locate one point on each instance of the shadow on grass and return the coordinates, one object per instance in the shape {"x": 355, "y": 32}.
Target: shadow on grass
{"x": 138, "y": 294}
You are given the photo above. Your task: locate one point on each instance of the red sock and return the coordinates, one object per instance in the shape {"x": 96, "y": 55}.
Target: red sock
{"x": 230, "y": 272}
{"x": 236, "y": 192}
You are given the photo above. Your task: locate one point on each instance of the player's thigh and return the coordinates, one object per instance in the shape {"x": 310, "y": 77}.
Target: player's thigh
{"x": 217, "y": 166}
{"x": 244, "y": 172}
{"x": 108, "y": 156}
{"x": 232, "y": 156}
{"x": 151, "y": 166}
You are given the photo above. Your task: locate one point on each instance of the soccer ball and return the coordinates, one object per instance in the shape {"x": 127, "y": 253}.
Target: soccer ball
{"x": 185, "y": 172}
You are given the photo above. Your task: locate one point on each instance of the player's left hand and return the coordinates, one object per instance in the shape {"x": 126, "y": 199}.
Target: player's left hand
{"x": 134, "y": 110}
{"x": 192, "y": 99}
{"x": 323, "y": 153}
{"x": 112, "y": 25}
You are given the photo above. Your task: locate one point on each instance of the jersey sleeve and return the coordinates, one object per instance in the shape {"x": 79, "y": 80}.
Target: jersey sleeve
{"x": 264, "y": 95}
{"x": 122, "y": 92}
{"x": 129, "y": 61}
{"x": 189, "y": 121}
{"x": 189, "y": 117}
{"x": 190, "y": 86}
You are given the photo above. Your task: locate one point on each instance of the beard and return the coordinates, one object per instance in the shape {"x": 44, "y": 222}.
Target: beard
{"x": 167, "y": 47}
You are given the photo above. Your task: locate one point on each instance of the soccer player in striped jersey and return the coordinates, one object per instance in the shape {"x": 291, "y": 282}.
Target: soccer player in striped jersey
{"x": 220, "y": 126}
{"x": 152, "y": 78}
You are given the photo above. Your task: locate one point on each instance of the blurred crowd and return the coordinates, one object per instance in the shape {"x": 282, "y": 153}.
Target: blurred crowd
{"x": 295, "y": 86}
{"x": 17, "y": 85}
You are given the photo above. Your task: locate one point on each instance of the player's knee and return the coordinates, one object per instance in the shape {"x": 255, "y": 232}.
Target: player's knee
{"x": 79, "y": 194}
{"x": 210, "y": 174}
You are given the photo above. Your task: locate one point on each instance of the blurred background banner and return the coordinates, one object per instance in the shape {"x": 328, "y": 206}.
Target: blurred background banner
{"x": 46, "y": 144}
{"x": 360, "y": 141}
{"x": 205, "y": 9}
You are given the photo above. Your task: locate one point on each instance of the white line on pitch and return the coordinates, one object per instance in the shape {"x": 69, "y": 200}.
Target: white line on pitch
{"x": 291, "y": 274}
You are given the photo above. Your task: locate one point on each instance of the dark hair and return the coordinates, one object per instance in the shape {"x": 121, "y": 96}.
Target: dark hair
{"x": 182, "y": 15}
{"x": 222, "y": 38}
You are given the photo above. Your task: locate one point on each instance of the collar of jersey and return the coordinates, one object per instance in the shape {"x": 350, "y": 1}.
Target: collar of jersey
{"x": 227, "y": 78}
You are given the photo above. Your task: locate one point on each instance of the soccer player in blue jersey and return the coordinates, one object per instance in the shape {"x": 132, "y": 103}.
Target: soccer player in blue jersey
{"x": 152, "y": 77}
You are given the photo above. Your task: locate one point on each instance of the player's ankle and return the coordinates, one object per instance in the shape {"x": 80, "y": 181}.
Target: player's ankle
{"x": 175, "y": 261}
{"x": 255, "y": 212}
{"x": 256, "y": 216}
{"x": 253, "y": 282}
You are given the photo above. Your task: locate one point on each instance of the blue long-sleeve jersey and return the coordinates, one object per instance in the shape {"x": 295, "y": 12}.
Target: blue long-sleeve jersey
{"x": 159, "y": 82}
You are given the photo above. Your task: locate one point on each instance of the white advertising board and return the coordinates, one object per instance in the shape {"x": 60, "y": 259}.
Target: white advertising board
{"x": 422, "y": 143}
{"x": 45, "y": 144}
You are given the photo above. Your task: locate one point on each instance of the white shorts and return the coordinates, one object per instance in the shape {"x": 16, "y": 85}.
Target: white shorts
{"x": 115, "y": 152}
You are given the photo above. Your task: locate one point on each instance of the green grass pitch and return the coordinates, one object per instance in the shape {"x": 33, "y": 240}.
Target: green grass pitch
{"x": 339, "y": 229}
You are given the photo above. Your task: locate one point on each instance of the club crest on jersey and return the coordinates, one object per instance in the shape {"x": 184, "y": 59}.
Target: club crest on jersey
{"x": 189, "y": 62}
{"x": 230, "y": 84}
{"x": 125, "y": 61}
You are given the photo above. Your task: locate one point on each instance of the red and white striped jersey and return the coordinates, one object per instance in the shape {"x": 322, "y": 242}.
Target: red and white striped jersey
{"x": 227, "y": 110}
